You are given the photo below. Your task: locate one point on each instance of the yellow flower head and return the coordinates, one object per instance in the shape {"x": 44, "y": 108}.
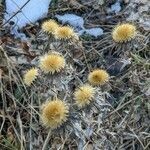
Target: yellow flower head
{"x": 52, "y": 63}
{"x": 49, "y": 26}
{"x": 84, "y": 95}
{"x": 98, "y": 77}
{"x": 124, "y": 32}
{"x": 54, "y": 113}
{"x": 30, "y": 76}
{"x": 64, "y": 32}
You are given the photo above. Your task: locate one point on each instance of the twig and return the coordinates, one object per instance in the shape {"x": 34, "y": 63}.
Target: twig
{"x": 46, "y": 141}
{"x": 15, "y": 13}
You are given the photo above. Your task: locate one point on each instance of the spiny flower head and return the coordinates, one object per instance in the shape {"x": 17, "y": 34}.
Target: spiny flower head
{"x": 64, "y": 32}
{"x": 30, "y": 76}
{"x": 52, "y": 63}
{"x": 98, "y": 77}
{"x": 84, "y": 95}
{"x": 124, "y": 32}
{"x": 54, "y": 113}
{"x": 50, "y": 26}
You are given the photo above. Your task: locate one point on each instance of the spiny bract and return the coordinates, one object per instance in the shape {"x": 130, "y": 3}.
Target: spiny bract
{"x": 98, "y": 77}
{"x": 84, "y": 95}
{"x": 50, "y": 26}
{"x": 52, "y": 63}
{"x": 124, "y": 32}
{"x": 64, "y": 32}
{"x": 30, "y": 76}
{"x": 54, "y": 113}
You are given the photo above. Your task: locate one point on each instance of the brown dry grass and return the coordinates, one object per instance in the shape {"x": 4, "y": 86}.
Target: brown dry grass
{"x": 119, "y": 119}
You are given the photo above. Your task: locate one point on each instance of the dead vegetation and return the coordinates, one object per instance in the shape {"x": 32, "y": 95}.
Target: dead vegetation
{"x": 118, "y": 119}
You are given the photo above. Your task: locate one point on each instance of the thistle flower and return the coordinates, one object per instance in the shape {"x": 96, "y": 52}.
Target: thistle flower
{"x": 124, "y": 32}
{"x": 64, "y": 32}
{"x": 52, "y": 63}
{"x": 54, "y": 113}
{"x": 30, "y": 76}
{"x": 50, "y": 26}
{"x": 98, "y": 77}
{"x": 84, "y": 95}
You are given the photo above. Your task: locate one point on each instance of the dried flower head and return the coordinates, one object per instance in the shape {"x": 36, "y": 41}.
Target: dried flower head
{"x": 50, "y": 26}
{"x": 84, "y": 95}
{"x": 54, "y": 113}
{"x": 64, "y": 32}
{"x": 124, "y": 32}
{"x": 98, "y": 77}
{"x": 52, "y": 63}
{"x": 30, "y": 76}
